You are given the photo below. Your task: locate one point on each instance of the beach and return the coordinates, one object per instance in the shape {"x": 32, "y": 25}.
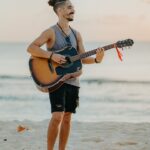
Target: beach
{"x": 113, "y": 104}
{"x": 84, "y": 136}
{"x": 114, "y": 108}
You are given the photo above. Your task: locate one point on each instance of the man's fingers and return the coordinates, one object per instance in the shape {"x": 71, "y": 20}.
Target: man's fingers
{"x": 100, "y": 50}
{"x": 63, "y": 58}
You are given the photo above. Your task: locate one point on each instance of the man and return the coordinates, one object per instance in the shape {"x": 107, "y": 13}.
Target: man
{"x": 64, "y": 100}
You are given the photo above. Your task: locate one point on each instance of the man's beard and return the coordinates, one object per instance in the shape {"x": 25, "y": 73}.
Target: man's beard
{"x": 70, "y": 19}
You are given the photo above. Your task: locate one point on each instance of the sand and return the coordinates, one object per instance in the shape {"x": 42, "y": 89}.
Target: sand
{"x": 84, "y": 136}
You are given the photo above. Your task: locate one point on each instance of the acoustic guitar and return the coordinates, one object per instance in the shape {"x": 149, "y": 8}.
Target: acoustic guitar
{"x": 49, "y": 75}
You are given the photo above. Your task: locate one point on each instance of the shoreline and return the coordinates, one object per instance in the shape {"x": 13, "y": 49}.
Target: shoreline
{"x": 83, "y": 136}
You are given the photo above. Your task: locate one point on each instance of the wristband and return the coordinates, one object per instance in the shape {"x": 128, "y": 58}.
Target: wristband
{"x": 51, "y": 56}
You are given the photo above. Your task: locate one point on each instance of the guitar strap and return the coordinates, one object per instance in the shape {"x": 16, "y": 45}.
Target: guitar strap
{"x": 75, "y": 37}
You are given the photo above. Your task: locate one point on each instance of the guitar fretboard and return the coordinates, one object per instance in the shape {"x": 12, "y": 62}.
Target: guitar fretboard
{"x": 90, "y": 53}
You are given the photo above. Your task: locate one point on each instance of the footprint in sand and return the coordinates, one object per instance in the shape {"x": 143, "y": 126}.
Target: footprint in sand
{"x": 126, "y": 143}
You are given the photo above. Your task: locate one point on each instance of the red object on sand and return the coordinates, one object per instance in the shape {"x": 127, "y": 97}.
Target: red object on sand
{"x": 21, "y": 128}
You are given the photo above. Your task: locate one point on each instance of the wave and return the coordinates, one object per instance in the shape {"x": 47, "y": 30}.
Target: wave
{"x": 14, "y": 77}
{"x": 102, "y": 81}
{"x": 89, "y": 81}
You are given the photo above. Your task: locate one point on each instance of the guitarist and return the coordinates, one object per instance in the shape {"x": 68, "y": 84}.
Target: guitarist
{"x": 65, "y": 99}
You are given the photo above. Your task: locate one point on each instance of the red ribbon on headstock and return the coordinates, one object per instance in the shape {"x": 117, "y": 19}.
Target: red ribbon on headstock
{"x": 120, "y": 55}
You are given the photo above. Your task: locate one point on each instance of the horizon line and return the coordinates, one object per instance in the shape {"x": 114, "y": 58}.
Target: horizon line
{"x": 11, "y": 42}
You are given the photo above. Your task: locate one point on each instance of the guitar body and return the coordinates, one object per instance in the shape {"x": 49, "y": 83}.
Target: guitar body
{"x": 49, "y": 75}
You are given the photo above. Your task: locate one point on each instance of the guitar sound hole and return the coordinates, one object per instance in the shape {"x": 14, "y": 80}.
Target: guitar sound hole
{"x": 68, "y": 63}
{"x": 68, "y": 59}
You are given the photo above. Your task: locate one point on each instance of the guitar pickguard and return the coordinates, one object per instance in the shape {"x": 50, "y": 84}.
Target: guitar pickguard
{"x": 69, "y": 67}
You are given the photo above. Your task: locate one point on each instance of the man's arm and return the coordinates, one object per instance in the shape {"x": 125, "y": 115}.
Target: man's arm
{"x": 35, "y": 47}
{"x": 89, "y": 60}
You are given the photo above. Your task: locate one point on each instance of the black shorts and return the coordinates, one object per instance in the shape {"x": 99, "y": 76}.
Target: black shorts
{"x": 65, "y": 99}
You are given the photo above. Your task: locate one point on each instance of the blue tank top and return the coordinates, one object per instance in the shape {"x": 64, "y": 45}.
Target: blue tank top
{"x": 60, "y": 43}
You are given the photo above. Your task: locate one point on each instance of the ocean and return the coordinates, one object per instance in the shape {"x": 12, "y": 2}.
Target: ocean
{"x": 110, "y": 91}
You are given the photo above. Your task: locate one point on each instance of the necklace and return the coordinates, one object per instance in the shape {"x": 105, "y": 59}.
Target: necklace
{"x": 63, "y": 30}
{"x": 67, "y": 36}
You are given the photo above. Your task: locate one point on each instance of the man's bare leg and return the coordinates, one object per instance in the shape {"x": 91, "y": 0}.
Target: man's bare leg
{"x": 53, "y": 129}
{"x": 64, "y": 130}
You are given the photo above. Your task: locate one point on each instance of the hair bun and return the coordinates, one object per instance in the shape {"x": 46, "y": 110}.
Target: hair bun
{"x": 51, "y": 2}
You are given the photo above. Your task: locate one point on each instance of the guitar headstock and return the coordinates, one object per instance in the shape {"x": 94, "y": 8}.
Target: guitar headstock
{"x": 125, "y": 43}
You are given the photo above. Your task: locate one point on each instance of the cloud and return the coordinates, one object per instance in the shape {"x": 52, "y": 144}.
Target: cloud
{"x": 146, "y": 1}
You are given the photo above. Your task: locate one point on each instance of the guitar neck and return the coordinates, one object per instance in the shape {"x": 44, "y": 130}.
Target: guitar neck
{"x": 90, "y": 53}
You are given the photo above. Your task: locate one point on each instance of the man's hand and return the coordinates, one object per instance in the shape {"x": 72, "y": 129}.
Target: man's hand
{"x": 71, "y": 75}
{"x": 60, "y": 59}
{"x": 99, "y": 54}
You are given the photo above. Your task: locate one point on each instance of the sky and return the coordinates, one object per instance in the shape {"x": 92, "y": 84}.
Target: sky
{"x": 96, "y": 20}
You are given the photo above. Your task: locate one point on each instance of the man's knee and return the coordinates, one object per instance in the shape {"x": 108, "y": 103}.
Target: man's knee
{"x": 67, "y": 117}
{"x": 57, "y": 117}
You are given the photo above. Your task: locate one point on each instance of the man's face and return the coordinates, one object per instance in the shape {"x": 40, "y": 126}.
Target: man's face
{"x": 68, "y": 11}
